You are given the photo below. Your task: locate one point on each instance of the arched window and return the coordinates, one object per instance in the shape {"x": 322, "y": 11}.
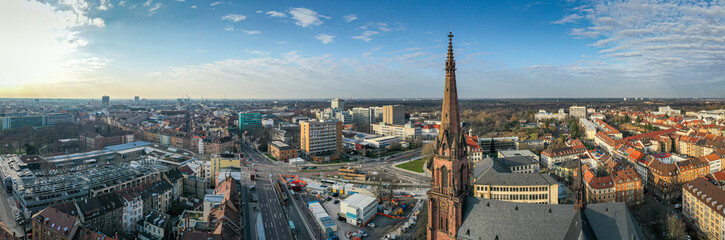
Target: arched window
{"x": 444, "y": 179}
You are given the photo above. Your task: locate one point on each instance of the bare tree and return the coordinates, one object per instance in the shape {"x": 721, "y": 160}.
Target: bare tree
{"x": 675, "y": 227}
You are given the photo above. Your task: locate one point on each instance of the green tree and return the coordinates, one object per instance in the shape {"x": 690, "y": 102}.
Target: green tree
{"x": 627, "y": 119}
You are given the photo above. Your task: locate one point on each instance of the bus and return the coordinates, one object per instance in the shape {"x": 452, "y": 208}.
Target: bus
{"x": 292, "y": 226}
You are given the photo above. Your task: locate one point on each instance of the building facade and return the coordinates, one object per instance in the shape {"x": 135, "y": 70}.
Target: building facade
{"x": 321, "y": 141}
{"x": 394, "y": 114}
{"x": 282, "y": 151}
{"x": 249, "y": 121}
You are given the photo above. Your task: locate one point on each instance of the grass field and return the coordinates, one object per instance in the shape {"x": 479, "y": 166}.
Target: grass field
{"x": 415, "y": 166}
{"x": 270, "y": 157}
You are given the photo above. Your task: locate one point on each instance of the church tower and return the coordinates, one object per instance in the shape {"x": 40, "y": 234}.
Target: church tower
{"x": 450, "y": 182}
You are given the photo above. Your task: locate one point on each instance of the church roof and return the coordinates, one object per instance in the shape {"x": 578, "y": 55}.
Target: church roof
{"x": 491, "y": 219}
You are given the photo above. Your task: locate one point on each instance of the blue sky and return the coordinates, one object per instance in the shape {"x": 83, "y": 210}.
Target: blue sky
{"x": 361, "y": 49}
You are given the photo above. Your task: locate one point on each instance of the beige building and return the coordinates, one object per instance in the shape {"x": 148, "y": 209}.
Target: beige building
{"x": 578, "y": 111}
{"x": 394, "y": 114}
{"x": 702, "y": 202}
{"x": 406, "y": 131}
{"x": 321, "y": 141}
{"x": 494, "y": 180}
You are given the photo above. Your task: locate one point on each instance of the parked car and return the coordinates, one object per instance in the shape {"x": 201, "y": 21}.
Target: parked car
{"x": 678, "y": 205}
{"x": 364, "y": 234}
{"x": 372, "y": 225}
{"x": 336, "y": 201}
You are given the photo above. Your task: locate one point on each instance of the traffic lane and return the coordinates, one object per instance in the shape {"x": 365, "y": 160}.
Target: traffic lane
{"x": 6, "y": 215}
{"x": 276, "y": 225}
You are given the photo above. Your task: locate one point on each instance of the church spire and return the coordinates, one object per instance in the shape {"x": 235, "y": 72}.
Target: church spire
{"x": 450, "y": 120}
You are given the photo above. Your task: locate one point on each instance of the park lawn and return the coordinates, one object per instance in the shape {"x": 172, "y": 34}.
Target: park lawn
{"x": 270, "y": 157}
{"x": 415, "y": 166}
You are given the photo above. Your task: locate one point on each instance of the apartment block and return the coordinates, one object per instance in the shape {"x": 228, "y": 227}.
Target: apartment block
{"x": 321, "y": 141}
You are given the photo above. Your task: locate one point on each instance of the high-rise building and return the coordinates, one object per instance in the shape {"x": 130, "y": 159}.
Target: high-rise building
{"x": 450, "y": 181}
{"x": 135, "y": 98}
{"x": 394, "y": 114}
{"x": 249, "y": 121}
{"x": 337, "y": 103}
{"x": 321, "y": 141}
{"x": 578, "y": 111}
{"x": 363, "y": 117}
{"x": 105, "y": 100}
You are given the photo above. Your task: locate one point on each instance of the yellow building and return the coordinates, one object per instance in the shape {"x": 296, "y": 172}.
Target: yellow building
{"x": 394, "y": 114}
{"x": 224, "y": 160}
{"x": 702, "y": 202}
{"x": 321, "y": 141}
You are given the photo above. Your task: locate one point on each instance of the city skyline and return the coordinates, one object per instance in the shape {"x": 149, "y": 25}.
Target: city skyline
{"x": 299, "y": 50}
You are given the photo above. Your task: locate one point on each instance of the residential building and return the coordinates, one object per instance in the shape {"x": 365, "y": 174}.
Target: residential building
{"x": 106, "y": 101}
{"x": 154, "y": 226}
{"x": 394, "y": 114}
{"x": 578, "y": 111}
{"x": 132, "y": 209}
{"x": 702, "y": 203}
{"x": 102, "y": 213}
{"x": 589, "y": 128}
{"x": 249, "y": 120}
{"x": 321, "y": 141}
{"x": 224, "y": 160}
{"x": 628, "y": 185}
{"x": 600, "y": 189}
{"x": 475, "y": 153}
{"x": 281, "y": 151}
{"x": 52, "y": 224}
{"x": 551, "y": 156}
{"x": 407, "y": 131}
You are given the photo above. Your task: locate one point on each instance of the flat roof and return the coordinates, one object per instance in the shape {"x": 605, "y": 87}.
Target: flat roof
{"x": 126, "y": 146}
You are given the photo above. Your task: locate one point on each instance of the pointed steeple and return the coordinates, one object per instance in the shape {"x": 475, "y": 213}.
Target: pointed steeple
{"x": 450, "y": 120}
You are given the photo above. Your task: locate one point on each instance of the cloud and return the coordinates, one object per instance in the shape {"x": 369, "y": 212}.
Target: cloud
{"x": 215, "y": 3}
{"x": 229, "y": 28}
{"x": 105, "y": 5}
{"x": 256, "y": 52}
{"x": 276, "y": 14}
{"x": 366, "y": 35}
{"x": 51, "y": 35}
{"x": 147, "y": 3}
{"x": 325, "y": 38}
{"x": 193, "y": 6}
{"x": 305, "y": 17}
{"x": 180, "y": 0}
{"x": 380, "y": 26}
{"x": 281, "y": 42}
{"x": 153, "y": 9}
{"x": 571, "y": 18}
{"x": 350, "y": 18}
{"x": 252, "y": 32}
{"x": 234, "y": 17}
{"x": 659, "y": 43}
{"x": 122, "y": 3}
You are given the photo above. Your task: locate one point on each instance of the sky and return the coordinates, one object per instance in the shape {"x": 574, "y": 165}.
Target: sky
{"x": 360, "y": 49}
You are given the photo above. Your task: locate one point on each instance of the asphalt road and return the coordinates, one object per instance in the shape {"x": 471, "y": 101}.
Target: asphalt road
{"x": 275, "y": 215}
